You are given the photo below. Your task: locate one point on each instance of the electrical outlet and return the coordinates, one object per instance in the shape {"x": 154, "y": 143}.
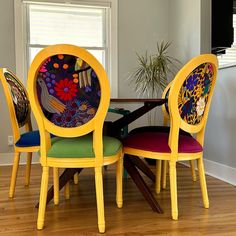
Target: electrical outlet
{"x": 10, "y": 140}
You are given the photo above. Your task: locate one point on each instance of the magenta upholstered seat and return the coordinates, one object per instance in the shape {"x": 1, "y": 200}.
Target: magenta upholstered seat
{"x": 158, "y": 142}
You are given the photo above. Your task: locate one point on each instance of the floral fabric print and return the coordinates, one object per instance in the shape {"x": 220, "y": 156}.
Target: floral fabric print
{"x": 200, "y": 106}
{"x": 19, "y": 98}
{"x": 193, "y": 95}
{"x": 68, "y": 90}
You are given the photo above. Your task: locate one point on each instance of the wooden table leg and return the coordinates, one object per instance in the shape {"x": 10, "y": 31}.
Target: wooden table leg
{"x": 63, "y": 179}
{"x": 139, "y": 163}
{"x": 138, "y": 180}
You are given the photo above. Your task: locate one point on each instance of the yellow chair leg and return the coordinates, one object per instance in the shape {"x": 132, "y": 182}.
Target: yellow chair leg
{"x": 14, "y": 174}
{"x": 173, "y": 190}
{"x": 67, "y": 190}
{"x": 119, "y": 183}
{"x": 203, "y": 185}
{"x": 194, "y": 176}
{"x": 43, "y": 198}
{"x": 163, "y": 174}
{"x": 100, "y": 201}
{"x": 76, "y": 178}
{"x": 28, "y": 168}
{"x": 158, "y": 176}
{"x": 56, "y": 185}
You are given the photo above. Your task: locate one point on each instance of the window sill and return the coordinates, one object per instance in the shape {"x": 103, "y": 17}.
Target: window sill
{"x": 227, "y": 66}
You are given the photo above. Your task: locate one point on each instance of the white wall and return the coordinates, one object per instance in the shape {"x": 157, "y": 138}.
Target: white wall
{"x": 205, "y": 43}
{"x": 185, "y": 28}
{"x": 220, "y": 139}
{"x": 141, "y": 24}
{"x": 189, "y": 28}
{"x": 221, "y": 129}
{"x": 7, "y": 59}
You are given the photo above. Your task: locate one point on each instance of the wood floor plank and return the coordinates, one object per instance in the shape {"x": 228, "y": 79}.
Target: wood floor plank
{"x": 77, "y": 216}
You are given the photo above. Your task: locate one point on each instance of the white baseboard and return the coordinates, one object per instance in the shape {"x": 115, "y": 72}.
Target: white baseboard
{"x": 6, "y": 159}
{"x": 219, "y": 171}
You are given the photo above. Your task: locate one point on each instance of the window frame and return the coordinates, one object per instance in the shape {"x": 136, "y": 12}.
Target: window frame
{"x": 21, "y": 37}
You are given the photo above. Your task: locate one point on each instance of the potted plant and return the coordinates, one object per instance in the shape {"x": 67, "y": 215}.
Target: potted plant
{"x": 153, "y": 71}
{"x": 152, "y": 75}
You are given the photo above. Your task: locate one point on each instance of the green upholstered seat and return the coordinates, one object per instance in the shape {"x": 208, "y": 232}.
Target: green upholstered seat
{"x": 81, "y": 147}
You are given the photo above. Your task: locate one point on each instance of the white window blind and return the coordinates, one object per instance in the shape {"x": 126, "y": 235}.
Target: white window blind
{"x": 229, "y": 58}
{"x": 91, "y": 24}
{"x": 79, "y": 25}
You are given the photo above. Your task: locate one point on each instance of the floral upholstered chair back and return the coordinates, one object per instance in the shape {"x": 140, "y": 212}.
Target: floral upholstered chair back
{"x": 191, "y": 92}
{"x": 18, "y": 95}
{"x": 69, "y": 91}
{"x": 17, "y": 100}
{"x": 194, "y": 93}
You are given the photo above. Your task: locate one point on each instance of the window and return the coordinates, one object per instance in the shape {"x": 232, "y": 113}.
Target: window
{"x": 229, "y": 58}
{"x": 91, "y": 25}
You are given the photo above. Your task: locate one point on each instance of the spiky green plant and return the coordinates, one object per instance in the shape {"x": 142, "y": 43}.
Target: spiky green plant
{"x": 152, "y": 72}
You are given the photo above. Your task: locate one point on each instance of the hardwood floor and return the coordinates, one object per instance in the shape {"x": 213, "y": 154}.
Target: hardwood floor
{"x": 78, "y": 216}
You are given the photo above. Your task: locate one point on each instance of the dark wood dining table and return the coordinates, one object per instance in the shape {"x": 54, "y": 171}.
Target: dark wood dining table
{"x": 131, "y": 164}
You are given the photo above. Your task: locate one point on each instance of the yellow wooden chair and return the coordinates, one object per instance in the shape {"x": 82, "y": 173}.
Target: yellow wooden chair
{"x": 19, "y": 109}
{"x": 188, "y": 104}
{"x": 28, "y": 141}
{"x": 162, "y": 166}
{"x": 69, "y": 93}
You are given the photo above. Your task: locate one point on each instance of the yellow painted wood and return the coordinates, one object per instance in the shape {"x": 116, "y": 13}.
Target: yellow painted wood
{"x": 194, "y": 176}
{"x": 56, "y": 185}
{"x": 95, "y": 126}
{"x": 67, "y": 191}
{"x": 173, "y": 190}
{"x": 14, "y": 174}
{"x": 203, "y": 185}
{"x": 99, "y": 197}
{"x": 163, "y": 174}
{"x": 165, "y": 123}
{"x": 176, "y": 123}
{"x": 28, "y": 168}
{"x": 163, "y": 107}
{"x": 119, "y": 183}
{"x": 158, "y": 176}
{"x": 43, "y": 197}
{"x": 166, "y": 120}
{"x": 76, "y": 178}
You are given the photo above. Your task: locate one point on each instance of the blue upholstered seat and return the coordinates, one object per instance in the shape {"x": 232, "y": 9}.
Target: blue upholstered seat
{"x": 29, "y": 139}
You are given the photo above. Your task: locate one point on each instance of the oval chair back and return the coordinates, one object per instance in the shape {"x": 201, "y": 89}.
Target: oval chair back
{"x": 190, "y": 98}
{"x": 17, "y": 101}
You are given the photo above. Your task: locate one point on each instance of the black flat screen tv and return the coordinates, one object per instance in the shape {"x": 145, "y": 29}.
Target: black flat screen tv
{"x": 222, "y": 35}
